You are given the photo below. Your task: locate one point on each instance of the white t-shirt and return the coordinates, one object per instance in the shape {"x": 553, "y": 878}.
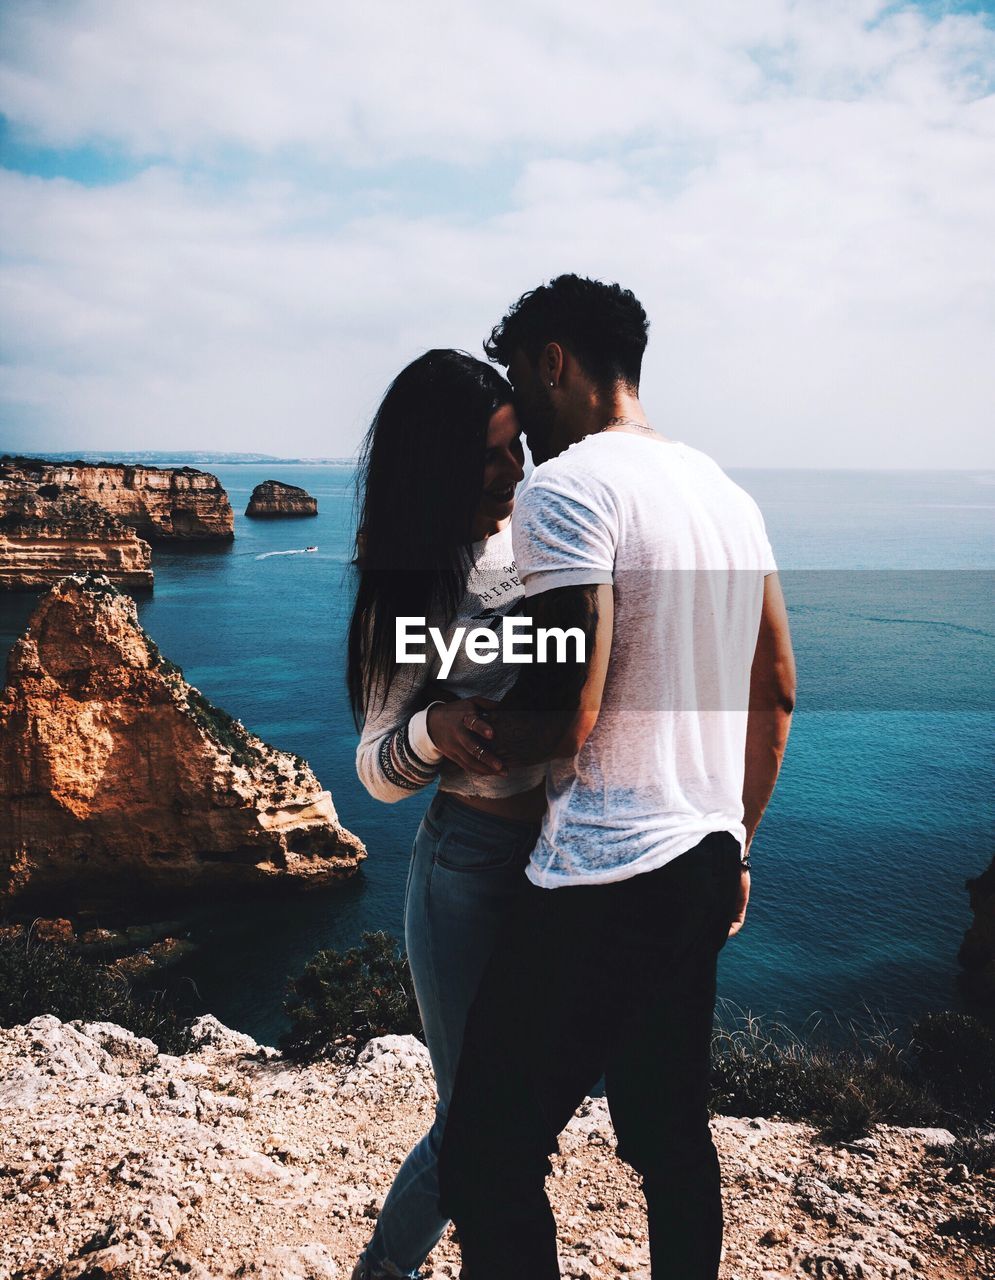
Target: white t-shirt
{"x": 686, "y": 551}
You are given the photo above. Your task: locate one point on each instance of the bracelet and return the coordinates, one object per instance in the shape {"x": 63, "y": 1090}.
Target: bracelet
{"x": 744, "y": 863}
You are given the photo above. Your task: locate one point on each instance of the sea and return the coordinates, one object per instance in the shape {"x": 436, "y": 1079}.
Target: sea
{"x": 883, "y": 809}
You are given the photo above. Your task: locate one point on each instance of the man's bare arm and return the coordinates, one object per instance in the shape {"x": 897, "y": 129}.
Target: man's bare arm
{"x": 772, "y": 700}
{"x": 553, "y": 706}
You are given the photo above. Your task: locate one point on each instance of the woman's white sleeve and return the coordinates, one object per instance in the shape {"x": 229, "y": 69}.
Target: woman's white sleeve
{"x": 396, "y": 757}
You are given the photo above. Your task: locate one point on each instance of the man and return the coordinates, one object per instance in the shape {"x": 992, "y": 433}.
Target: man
{"x": 641, "y": 871}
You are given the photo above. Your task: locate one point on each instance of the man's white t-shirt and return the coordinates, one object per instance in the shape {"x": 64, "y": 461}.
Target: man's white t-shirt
{"x": 686, "y": 552}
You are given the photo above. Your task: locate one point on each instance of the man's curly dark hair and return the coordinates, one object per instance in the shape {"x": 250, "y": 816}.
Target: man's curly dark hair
{"x": 602, "y": 325}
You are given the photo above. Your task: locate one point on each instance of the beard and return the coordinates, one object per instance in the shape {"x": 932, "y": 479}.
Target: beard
{"x": 538, "y": 422}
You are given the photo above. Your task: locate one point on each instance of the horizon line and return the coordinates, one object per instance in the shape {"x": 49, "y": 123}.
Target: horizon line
{"x": 126, "y": 456}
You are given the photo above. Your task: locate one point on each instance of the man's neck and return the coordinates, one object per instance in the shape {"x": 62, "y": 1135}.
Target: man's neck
{"x": 618, "y": 410}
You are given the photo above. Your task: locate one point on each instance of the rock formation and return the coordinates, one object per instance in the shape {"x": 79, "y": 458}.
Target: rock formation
{"x": 48, "y": 531}
{"x": 230, "y": 1162}
{"x": 118, "y": 779}
{"x": 273, "y": 498}
{"x": 136, "y": 952}
{"x": 162, "y": 504}
{"x": 977, "y": 951}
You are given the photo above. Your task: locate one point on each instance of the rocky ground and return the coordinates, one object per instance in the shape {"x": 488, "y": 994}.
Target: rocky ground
{"x": 121, "y": 1163}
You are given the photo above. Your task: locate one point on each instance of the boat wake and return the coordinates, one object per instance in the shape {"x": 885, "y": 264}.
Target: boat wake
{"x": 297, "y": 551}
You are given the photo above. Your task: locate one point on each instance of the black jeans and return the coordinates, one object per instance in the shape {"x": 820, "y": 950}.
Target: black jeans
{"x": 615, "y": 980}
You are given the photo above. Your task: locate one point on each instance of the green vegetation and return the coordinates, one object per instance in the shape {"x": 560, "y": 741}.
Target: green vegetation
{"x": 218, "y": 723}
{"x": 942, "y": 1074}
{"x": 44, "y": 977}
{"x": 345, "y": 999}
{"x": 166, "y": 666}
{"x": 97, "y": 584}
{"x": 975, "y": 1151}
{"x": 223, "y": 729}
{"x": 956, "y": 1055}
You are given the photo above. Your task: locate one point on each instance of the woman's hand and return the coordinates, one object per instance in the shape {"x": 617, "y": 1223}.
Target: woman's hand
{"x": 461, "y": 733}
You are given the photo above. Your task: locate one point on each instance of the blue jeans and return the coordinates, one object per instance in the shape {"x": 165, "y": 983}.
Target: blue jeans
{"x": 465, "y": 877}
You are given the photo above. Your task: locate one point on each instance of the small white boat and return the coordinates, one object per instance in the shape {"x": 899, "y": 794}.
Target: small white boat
{"x": 310, "y": 548}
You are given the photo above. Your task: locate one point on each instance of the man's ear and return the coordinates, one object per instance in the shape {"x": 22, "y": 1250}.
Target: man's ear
{"x": 551, "y": 364}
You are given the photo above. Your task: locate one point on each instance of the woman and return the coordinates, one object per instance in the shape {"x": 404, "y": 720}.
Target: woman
{"x": 439, "y": 470}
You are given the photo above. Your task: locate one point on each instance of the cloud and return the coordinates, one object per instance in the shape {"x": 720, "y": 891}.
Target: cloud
{"x": 177, "y": 79}
{"x": 801, "y": 194}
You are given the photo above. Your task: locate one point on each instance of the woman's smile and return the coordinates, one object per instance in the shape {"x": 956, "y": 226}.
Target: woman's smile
{"x": 503, "y": 470}
{"x": 501, "y": 494}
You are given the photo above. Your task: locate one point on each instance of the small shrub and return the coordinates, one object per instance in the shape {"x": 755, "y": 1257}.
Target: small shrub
{"x": 956, "y": 1057}
{"x": 223, "y": 729}
{"x": 345, "y": 999}
{"x": 975, "y": 1151}
{"x": 39, "y": 977}
{"x": 852, "y": 1114}
{"x": 761, "y": 1069}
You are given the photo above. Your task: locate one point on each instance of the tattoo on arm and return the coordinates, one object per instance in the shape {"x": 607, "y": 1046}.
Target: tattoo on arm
{"x": 542, "y": 704}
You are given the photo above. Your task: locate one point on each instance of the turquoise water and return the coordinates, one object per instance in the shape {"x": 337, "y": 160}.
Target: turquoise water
{"x": 885, "y": 801}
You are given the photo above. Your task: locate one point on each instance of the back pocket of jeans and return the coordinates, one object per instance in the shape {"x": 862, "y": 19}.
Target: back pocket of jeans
{"x": 460, "y": 851}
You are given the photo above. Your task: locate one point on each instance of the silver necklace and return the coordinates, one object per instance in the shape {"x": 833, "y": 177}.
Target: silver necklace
{"x": 628, "y": 422}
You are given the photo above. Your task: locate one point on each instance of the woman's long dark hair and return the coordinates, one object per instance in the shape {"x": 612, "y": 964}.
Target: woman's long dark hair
{"x": 420, "y": 479}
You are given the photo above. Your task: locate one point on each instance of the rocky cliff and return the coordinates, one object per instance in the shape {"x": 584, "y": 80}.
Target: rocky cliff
{"x": 272, "y": 498}
{"x": 119, "y": 779}
{"x": 977, "y": 951}
{"x": 162, "y": 504}
{"x": 118, "y": 1162}
{"x": 47, "y": 531}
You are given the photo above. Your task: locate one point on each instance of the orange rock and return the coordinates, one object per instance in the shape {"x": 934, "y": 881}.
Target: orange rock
{"x": 58, "y": 931}
{"x": 47, "y": 532}
{"x": 160, "y": 503}
{"x": 120, "y": 780}
{"x": 273, "y": 499}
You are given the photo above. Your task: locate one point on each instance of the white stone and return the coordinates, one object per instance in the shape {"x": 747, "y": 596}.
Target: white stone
{"x": 209, "y": 1032}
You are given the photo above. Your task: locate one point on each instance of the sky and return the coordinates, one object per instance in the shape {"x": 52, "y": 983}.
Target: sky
{"x": 226, "y": 225}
